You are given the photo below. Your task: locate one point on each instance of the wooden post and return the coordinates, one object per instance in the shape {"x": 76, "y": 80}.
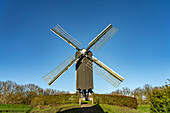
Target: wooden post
{"x": 92, "y": 100}
{"x": 80, "y": 101}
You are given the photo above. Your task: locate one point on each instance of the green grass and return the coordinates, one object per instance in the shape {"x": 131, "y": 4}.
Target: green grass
{"x": 118, "y": 109}
{"x": 144, "y": 108}
{"x": 14, "y": 107}
{"x": 57, "y": 108}
{"x": 72, "y": 108}
{"x": 86, "y": 102}
{"x": 114, "y": 109}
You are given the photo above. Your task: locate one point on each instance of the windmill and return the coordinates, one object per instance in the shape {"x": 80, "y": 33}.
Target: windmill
{"x": 84, "y": 62}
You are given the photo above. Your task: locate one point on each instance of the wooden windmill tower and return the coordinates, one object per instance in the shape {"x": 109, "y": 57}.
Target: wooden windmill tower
{"x": 84, "y": 61}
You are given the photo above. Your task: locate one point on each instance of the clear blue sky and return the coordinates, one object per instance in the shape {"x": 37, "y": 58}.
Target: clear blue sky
{"x": 140, "y": 51}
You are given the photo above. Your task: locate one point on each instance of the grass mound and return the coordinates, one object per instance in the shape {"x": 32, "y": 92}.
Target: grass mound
{"x": 96, "y": 108}
{"x": 71, "y": 108}
{"x": 14, "y": 108}
{"x": 55, "y": 100}
{"x": 118, "y": 100}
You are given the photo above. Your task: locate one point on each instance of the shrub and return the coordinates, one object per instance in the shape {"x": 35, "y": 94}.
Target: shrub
{"x": 160, "y": 99}
{"x": 119, "y": 100}
{"x": 55, "y": 99}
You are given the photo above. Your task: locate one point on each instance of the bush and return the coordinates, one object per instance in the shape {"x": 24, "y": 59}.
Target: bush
{"x": 55, "y": 99}
{"x": 160, "y": 99}
{"x": 115, "y": 100}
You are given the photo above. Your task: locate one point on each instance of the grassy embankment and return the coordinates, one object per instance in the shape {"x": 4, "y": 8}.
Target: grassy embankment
{"x": 72, "y": 108}
{"x": 117, "y": 109}
{"x": 14, "y": 108}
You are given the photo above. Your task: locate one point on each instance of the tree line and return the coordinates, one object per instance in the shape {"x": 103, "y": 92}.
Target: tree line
{"x": 158, "y": 98}
{"x": 13, "y": 93}
{"x": 140, "y": 93}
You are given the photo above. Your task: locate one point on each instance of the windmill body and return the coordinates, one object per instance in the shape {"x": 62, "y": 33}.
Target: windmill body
{"x": 84, "y": 75}
{"x": 84, "y": 62}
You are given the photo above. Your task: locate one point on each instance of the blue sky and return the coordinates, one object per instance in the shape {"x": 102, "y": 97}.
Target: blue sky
{"x": 140, "y": 50}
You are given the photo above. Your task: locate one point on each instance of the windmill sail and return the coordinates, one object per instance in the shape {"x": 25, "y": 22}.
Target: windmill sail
{"x": 105, "y": 72}
{"x": 106, "y": 76}
{"x": 58, "y": 69}
{"x": 66, "y": 37}
{"x": 99, "y": 36}
{"x": 104, "y": 39}
{"x": 64, "y": 69}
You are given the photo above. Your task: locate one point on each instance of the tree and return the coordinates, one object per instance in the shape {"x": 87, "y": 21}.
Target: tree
{"x": 147, "y": 89}
{"x": 126, "y": 91}
{"x": 159, "y": 98}
{"x": 12, "y": 93}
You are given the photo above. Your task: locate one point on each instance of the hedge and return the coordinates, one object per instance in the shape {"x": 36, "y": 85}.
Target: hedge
{"x": 55, "y": 99}
{"x": 119, "y": 100}
{"x": 73, "y": 98}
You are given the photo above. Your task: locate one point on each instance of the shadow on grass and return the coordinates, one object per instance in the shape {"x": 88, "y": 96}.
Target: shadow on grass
{"x": 94, "y": 109}
{"x": 98, "y": 109}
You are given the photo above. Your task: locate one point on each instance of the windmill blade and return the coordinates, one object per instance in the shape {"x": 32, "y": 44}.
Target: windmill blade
{"x": 104, "y": 39}
{"x": 59, "y": 70}
{"x": 58, "y": 30}
{"x": 107, "y": 34}
{"x": 106, "y": 76}
{"x": 99, "y": 36}
{"x": 111, "y": 76}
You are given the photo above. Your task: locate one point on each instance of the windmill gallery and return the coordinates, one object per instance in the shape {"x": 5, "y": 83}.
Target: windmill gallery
{"x": 84, "y": 62}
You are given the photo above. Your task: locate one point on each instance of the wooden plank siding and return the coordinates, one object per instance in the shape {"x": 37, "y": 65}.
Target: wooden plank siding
{"x": 84, "y": 74}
